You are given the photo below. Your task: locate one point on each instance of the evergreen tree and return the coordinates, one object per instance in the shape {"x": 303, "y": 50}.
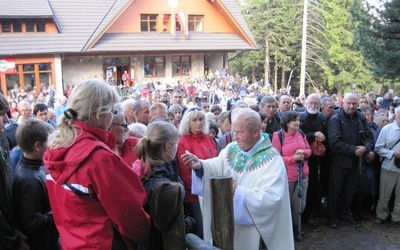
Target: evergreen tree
{"x": 378, "y": 35}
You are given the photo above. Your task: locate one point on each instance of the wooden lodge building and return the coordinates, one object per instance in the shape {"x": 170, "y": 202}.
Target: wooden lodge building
{"x": 60, "y": 43}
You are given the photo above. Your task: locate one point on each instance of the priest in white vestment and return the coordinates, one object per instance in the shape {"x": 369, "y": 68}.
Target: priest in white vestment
{"x": 261, "y": 197}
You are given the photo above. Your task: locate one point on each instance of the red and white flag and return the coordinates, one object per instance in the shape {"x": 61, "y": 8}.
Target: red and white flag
{"x": 181, "y": 17}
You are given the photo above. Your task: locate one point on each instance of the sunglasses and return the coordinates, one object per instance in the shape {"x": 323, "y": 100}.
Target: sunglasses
{"x": 124, "y": 125}
{"x": 194, "y": 108}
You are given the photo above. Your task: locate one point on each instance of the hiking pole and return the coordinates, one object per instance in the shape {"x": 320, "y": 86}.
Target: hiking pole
{"x": 359, "y": 201}
{"x": 299, "y": 194}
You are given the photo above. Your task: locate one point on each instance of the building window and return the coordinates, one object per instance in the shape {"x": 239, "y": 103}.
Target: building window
{"x": 17, "y": 25}
{"x": 195, "y": 23}
{"x": 167, "y": 23}
{"x": 148, "y": 22}
{"x": 31, "y": 76}
{"x": 154, "y": 66}
{"x": 23, "y": 25}
{"x": 180, "y": 65}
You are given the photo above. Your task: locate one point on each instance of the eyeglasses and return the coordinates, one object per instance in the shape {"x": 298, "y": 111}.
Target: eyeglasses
{"x": 331, "y": 107}
{"x": 194, "y": 108}
{"x": 124, "y": 125}
{"x": 313, "y": 103}
{"x": 114, "y": 112}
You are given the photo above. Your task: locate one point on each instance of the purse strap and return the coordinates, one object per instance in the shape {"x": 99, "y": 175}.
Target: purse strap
{"x": 390, "y": 149}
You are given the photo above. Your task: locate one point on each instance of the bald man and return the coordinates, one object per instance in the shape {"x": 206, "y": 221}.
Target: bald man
{"x": 349, "y": 139}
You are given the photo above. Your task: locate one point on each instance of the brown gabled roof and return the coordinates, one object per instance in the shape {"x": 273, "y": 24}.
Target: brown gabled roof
{"x": 84, "y": 23}
{"x": 25, "y": 8}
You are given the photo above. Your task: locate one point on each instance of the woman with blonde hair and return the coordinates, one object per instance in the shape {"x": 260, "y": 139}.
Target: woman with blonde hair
{"x": 97, "y": 200}
{"x": 195, "y": 139}
{"x": 156, "y": 150}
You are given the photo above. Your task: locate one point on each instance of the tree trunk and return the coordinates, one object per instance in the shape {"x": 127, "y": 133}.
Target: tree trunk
{"x": 283, "y": 82}
{"x": 253, "y": 74}
{"x": 276, "y": 76}
{"x": 267, "y": 68}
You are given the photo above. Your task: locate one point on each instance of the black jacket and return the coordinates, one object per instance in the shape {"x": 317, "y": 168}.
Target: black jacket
{"x": 8, "y": 238}
{"x": 32, "y": 212}
{"x": 311, "y": 123}
{"x": 345, "y": 134}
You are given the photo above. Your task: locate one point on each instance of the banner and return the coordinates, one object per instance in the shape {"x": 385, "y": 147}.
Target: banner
{"x": 182, "y": 21}
{"x": 7, "y": 66}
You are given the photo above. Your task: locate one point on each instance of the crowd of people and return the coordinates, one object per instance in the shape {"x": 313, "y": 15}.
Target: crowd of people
{"x": 88, "y": 171}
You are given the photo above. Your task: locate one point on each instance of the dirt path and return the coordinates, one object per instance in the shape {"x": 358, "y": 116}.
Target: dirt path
{"x": 368, "y": 236}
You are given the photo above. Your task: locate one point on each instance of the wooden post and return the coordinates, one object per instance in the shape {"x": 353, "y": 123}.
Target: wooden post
{"x": 222, "y": 223}
{"x": 174, "y": 236}
{"x": 195, "y": 243}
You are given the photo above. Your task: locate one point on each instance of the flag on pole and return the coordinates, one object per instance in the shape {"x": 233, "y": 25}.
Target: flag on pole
{"x": 173, "y": 22}
{"x": 182, "y": 21}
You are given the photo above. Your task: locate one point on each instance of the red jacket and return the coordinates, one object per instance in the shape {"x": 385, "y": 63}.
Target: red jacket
{"x": 90, "y": 165}
{"x": 204, "y": 148}
{"x": 127, "y": 152}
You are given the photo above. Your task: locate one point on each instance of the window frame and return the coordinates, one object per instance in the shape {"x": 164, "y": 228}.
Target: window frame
{"x": 181, "y": 65}
{"x": 34, "y": 73}
{"x": 193, "y": 23}
{"x": 153, "y": 65}
{"x": 148, "y": 22}
{"x": 24, "y": 24}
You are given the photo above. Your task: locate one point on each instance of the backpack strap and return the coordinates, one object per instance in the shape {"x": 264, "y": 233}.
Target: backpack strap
{"x": 281, "y": 136}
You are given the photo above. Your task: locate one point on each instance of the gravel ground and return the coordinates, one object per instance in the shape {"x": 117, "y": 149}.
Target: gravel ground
{"x": 368, "y": 236}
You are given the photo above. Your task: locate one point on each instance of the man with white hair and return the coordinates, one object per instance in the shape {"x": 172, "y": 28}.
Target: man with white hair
{"x": 127, "y": 106}
{"x": 260, "y": 187}
{"x": 25, "y": 109}
{"x": 313, "y": 123}
{"x": 388, "y": 147}
{"x": 137, "y": 130}
{"x": 379, "y": 102}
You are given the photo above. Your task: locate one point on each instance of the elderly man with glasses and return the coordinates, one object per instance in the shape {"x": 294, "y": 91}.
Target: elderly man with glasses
{"x": 327, "y": 107}
{"x": 314, "y": 125}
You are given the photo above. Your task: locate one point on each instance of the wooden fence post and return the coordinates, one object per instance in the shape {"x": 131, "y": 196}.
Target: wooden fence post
{"x": 174, "y": 236}
{"x": 222, "y": 223}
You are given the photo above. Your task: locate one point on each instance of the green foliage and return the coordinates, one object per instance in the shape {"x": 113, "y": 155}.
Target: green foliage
{"x": 334, "y": 62}
{"x": 378, "y": 36}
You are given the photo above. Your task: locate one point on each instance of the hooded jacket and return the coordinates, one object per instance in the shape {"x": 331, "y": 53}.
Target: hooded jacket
{"x": 113, "y": 196}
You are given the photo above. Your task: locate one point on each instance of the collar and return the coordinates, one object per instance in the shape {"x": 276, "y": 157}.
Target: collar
{"x": 257, "y": 157}
{"x": 101, "y": 134}
{"x": 36, "y": 164}
{"x": 248, "y": 153}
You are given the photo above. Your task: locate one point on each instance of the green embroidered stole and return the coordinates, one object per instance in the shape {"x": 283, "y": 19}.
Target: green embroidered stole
{"x": 262, "y": 154}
